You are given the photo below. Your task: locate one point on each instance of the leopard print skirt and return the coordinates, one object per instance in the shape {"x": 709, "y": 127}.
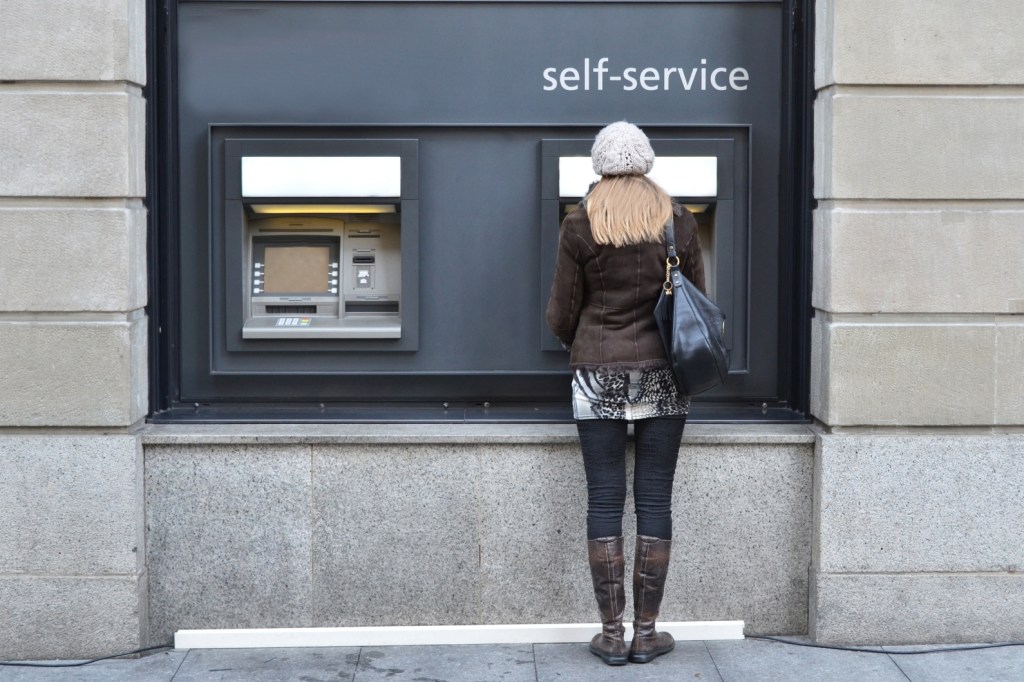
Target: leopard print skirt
{"x": 603, "y": 393}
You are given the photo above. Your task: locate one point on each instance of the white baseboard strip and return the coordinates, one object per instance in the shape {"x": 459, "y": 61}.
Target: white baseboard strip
{"x": 260, "y": 638}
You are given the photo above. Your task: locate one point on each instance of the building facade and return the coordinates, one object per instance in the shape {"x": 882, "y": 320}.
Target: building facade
{"x": 883, "y": 507}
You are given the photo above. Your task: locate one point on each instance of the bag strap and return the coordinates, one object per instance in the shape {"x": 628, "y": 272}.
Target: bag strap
{"x": 671, "y": 258}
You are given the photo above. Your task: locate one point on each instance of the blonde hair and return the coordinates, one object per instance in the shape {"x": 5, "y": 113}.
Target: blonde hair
{"x": 627, "y": 209}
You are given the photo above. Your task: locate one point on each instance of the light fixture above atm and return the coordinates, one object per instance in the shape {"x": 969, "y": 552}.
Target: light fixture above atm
{"x": 319, "y": 209}
{"x": 680, "y": 176}
{"x": 692, "y": 208}
{"x": 321, "y": 176}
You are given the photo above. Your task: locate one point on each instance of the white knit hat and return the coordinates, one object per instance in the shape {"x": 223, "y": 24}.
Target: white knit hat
{"x": 621, "y": 149}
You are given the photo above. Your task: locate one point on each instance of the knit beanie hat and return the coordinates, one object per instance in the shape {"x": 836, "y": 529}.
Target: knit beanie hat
{"x": 622, "y": 149}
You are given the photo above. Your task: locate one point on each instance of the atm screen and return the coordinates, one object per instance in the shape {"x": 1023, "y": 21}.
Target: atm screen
{"x": 296, "y": 269}
{"x": 300, "y": 264}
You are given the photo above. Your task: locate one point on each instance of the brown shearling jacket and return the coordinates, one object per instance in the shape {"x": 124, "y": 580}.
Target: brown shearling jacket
{"x": 603, "y": 297}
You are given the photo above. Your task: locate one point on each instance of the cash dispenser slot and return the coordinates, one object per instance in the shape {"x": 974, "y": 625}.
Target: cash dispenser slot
{"x": 330, "y": 269}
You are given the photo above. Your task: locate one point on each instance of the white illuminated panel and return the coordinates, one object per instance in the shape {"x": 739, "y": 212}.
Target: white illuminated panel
{"x": 321, "y": 176}
{"x": 680, "y": 176}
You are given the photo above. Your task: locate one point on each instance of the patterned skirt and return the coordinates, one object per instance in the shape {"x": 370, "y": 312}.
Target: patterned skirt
{"x": 603, "y": 393}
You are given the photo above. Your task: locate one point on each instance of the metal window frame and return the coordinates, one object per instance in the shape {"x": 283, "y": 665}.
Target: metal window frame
{"x": 795, "y": 257}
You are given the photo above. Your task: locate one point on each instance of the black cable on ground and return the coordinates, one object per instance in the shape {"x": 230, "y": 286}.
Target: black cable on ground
{"x": 81, "y": 663}
{"x": 868, "y": 650}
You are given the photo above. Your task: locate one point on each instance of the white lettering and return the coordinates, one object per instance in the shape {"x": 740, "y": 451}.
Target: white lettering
{"x": 687, "y": 84}
{"x": 714, "y": 79}
{"x": 667, "y": 71}
{"x": 598, "y": 72}
{"x": 649, "y": 79}
{"x": 601, "y": 70}
{"x": 737, "y": 76}
{"x": 552, "y": 83}
{"x": 628, "y": 76}
{"x": 570, "y": 75}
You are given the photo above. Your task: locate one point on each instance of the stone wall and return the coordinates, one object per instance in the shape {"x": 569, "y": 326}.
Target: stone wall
{"x": 918, "y": 336}
{"x": 347, "y": 525}
{"x": 72, "y": 327}
{"x": 917, "y": 378}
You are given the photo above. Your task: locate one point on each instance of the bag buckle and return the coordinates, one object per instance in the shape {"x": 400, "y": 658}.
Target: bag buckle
{"x": 667, "y": 284}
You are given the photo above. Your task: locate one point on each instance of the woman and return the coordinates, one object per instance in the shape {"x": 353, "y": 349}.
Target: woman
{"x": 608, "y": 276}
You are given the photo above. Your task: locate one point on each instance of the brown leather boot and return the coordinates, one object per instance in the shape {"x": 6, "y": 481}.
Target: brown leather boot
{"x": 649, "y": 573}
{"x": 607, "y": 568}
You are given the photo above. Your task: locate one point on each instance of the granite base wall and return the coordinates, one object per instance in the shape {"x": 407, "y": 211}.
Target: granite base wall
{"x": 72, "y": 577}
{"x": 275, "y": 533}
{"x": 918, "y": 539}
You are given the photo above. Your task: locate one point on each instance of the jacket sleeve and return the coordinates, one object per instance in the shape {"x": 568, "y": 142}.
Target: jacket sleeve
{"x": 691, "y": 259}
{"x": 566, "y": 300}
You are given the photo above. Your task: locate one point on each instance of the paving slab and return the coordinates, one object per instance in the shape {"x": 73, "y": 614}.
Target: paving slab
{"x": 506, "y": 662}
{"x": 752, "y": 660}
{"x": 269, "y": 665}
{"x": 159, "y": 667}
{"x": 689, "y": 662}
{"x": 712, "y": 661}
{"x": 1004, "y": 664}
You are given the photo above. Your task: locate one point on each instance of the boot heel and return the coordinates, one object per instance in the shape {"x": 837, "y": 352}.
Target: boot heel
{"x": 648, "y": 656}
{"x": 609, "y": 659}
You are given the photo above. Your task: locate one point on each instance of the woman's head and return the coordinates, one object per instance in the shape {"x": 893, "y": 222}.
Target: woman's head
{"x": 621, "y": 149}
{"x": 625, "y": 207}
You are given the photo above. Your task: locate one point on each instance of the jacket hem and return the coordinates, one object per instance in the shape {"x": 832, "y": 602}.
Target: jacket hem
{"x": 658, "y": 363}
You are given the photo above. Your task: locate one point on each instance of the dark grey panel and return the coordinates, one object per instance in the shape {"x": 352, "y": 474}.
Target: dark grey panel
{"x": 472, "y": 63}
{"x": 466, "y": 81}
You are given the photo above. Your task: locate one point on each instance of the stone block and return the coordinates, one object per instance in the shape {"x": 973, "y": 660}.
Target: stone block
{"x": 72, "y": 505}
{"x": 742, "y": 532}
{"x": 1009, "y": 372}
{"x": 573, "y": 662}
{"x": 742, "y": 537}
{"x": 67, "y": 373}
{"x": 919, "y": 43}
{"x": 87, "y": 40}
{"x": 506, "y": 662}
{"x": 73, "y": 259}
{"x": 152, "y": 667}
{"x": 298, "y": 664}
{"x": 533, "y": 542}
{"x": 72, "y": 144}
{"x": 914, "y": 504}
{"x": 899, "y": 146}
{"x": 228, "y": 542}
{"x": 997, "y": 664}
{"x": 760, "y": 661}
{"x": 395, "y": 536}
{"x": 903, "y": 374}
{"x": 917, "y": 608}
{"x": 71, "y": 616}
{"x": 917, "y": 260}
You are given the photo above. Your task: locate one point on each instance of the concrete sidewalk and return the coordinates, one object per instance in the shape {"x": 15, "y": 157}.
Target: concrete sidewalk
{"x": 728, "y": 661}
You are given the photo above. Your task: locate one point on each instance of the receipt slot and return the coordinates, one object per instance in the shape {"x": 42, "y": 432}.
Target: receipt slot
{"x": 322, "y": 242}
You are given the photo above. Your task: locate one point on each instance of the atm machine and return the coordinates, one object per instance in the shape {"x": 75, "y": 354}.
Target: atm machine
{"x": 321, "y": 247}
{"x": 693, "y": 180}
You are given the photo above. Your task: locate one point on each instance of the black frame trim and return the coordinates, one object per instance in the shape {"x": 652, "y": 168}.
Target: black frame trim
{"x": 796, "y": 204}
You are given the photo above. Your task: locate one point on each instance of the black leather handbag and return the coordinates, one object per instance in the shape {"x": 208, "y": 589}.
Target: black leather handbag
{"x": 692, "y": 328}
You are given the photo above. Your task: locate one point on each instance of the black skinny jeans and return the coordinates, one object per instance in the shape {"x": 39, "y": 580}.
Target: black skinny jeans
{"x": 604, "y": 457}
